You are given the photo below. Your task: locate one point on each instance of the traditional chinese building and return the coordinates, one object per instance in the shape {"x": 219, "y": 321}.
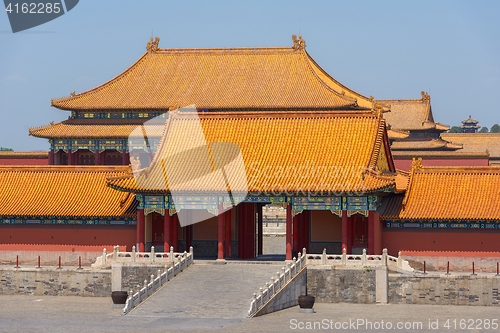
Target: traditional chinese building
{"x": 470, "y": 125}
{"x": 280, "y": 78}
{"x": 64, "y": 205}
{"x": 486, "y": 144}
{"x": 24, "y": 158}
{"x": 269, "y": 125}
{"x": 444, "y": 209}
{"x": 330, "y": 169}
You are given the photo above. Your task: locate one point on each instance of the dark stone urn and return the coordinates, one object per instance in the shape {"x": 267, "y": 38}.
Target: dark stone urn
{"x": 306, "y": 303}
{"x": 119, "y": 297}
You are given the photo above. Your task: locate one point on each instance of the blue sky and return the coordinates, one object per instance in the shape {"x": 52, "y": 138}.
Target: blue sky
{"x": 388, "y": 49}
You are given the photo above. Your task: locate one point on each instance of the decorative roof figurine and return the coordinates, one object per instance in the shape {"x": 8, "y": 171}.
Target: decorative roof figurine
{"x": 298, "y": 43}
{"x": 152, "y": 45}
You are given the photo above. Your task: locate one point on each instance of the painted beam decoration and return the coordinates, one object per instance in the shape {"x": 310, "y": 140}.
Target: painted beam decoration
{"x": 68, "y": 220}
{"x": 447, "y": 224}
{"x": 92, "y": 145}
{"x": 211, "y": 203}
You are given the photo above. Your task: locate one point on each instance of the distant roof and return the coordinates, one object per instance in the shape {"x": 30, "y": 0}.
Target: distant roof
{"x": 24, "y": 154}
{"x": 412, "y": 114}
{"x": 424, "y": 144}
{"x": 397, "y": 134}
{"x": 283, "y": 152}
{"x": 476, "y": 142}
{"x": 470, "y": 121}
{"x": 451, "y": 154}
{"x": 65, "y": 191}
{"x": 448, "y": 193}
{"x": 90, "y": 129}
{"x": 237, "y": 78}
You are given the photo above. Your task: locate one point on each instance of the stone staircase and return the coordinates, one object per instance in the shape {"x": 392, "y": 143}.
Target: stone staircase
{"x": 210, "y": 289}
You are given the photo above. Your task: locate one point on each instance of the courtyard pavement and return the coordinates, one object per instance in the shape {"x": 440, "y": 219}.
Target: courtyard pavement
{"x": 96, "y": 314}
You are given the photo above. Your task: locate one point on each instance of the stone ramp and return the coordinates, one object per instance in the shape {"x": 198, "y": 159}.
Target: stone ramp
{"x": 209, "y": 291}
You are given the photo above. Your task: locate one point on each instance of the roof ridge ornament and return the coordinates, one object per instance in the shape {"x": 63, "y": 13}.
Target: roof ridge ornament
{"x": 425, "y": 96}
{"x": 416, "y": 164}
{"x": 152, "y": 45}
{"x": 298, "y": 43}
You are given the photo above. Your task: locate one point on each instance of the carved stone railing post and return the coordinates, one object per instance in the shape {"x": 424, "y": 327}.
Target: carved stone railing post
{"x": 116, "y": 249}
{"x": 384, "y": 257}
{"x": 152, "y": 254}
{"x": 134, "y": 255}
{"x": 363, "y": 258}
{"x": 323, "y": 257}
{"x": 104, "y": 256}
{"x": 344, "y": 256}
{"x": 400, "y": 260}
{"x": 171, "y": 254}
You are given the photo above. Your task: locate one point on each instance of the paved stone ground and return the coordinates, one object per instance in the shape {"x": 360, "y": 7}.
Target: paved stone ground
{"x": 273, "y": 244}
{"x": 209, "y": 290}
{"x": 96, "y": 314}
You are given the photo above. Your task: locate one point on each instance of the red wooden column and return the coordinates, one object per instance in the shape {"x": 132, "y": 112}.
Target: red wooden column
{"x": 167, "y": 231}
{"x": 70, "y": 157}
{"x": 97, "y": 157}
{"x": 259, "y": 229}
{"x": 345, "y": 232}
{"x": 228, "y": 233}
{"x": 141, "y": 230}
{"x": 307, "y": 224}
{"x": 220, "y": 232}
{"x": 371, "y": 232}
{"x": 124, "y": 157}
{"x": 296, "y": 231}
{"x": 289, "y": 232}
{"x": 240, "y": 216}
{"x": 175, "y": 232}
{"x": 51, "y": 157}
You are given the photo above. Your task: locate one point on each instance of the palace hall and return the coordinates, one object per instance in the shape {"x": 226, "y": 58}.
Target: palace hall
{"x": 186, "y": 147}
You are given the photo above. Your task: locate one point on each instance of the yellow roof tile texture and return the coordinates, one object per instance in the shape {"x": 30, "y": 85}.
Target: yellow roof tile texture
{"x": 61, "y": 191}
{"x": 93, "y": 131}
{"x": 282, "y": 153}
{"x": 463, "y": 193}
{"x": 244, "y": 78}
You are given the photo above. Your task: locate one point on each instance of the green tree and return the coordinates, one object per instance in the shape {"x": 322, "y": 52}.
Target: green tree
{"x": 6, "y": 149}
{"x": 483, "y": 130}
{"x": 455, "y": 129}
{"x": 495, "y": 129}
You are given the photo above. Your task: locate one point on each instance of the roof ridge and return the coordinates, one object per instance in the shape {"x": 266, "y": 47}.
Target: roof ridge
{"x": 96, "y": 88}
{"x": 224, "y": 49}
{"x": 460, "y": 169}
{"x": 379, "y": 136}
{"x": 310, "y": 60}
{"x": 471, "y": 134}
{"x": 64, "y": 168}
{"x": 416, "y": 165}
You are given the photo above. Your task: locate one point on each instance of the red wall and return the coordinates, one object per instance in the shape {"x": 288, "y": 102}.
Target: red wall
{"x": 440, "y": 240}
{"x": 24, "y": 161}
{"x": 405, "y": 163}
{"x": 69, "y": 234}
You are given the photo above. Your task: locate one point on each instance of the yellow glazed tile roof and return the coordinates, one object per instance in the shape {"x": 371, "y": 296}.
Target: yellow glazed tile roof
{"x": 61, "y": 191}
{"x": 424, "y": 144}
{"x": 283, "y": 152}
{"x": 476, "y": 142}
{"x": 397, "y": 135}
{"x": 91, "y": 131}
{"x": 237, "y": 78}
{"x": 449, "y": 193}
{"x": 24, "y": 154}
{"x": 412, "y": 114}
{"x": 452, "y": 154}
